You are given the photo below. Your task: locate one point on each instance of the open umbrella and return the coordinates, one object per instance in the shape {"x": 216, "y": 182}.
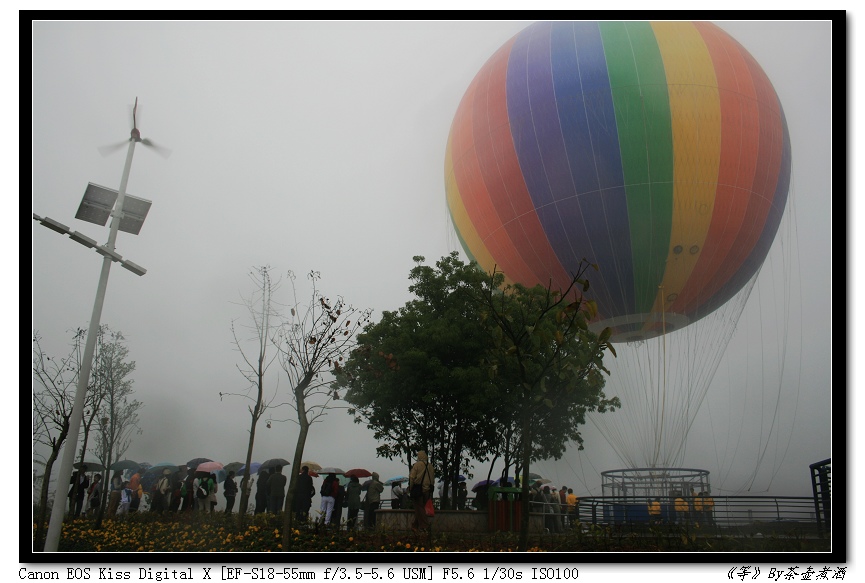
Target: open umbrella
{"x": 276, "y": 462}
{"x": 359, "y": 472}
{"x": 396, "y": 480}
{"x": 313, "y": 466}
{"x": 233, "y": 466}
{"x": 90, "y": 466}
{"x": 155, "y": 472}
{"x": 125, "y": 465}
{"x": 193, "y": 463}
{"x": 508, "y": 480}
{"x": 254, "y": 467}
{"x": 534, "y": 476}
{"x": 481, "y": 484}
{"x": 331, "y": 470}
{"x": 209, "y": 467}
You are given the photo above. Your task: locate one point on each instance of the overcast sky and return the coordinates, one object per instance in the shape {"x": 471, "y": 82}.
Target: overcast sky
{"x": 320, "y": 146}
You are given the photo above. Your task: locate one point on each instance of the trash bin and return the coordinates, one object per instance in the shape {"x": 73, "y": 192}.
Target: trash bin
{"x": 505, "y": 510}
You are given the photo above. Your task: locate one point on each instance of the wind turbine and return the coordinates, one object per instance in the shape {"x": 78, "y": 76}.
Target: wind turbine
{"x": 134, "y": 138}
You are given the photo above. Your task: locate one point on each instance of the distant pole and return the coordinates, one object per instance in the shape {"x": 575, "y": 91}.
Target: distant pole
{"x": 55, "y": 525}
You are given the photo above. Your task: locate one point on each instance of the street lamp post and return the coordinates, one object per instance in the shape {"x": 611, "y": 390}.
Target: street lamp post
{"x": 65, "y": 472}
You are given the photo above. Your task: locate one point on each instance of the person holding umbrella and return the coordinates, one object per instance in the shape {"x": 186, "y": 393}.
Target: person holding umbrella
{"x": 177, "y": 479}
{"x": 76, "y": 496}
{"x": 352, "y": 494}
{"x": 162, "y": 492}
{"x": 116, "y": 485}
{"x": 276, "y": 488}
{"x": 396, "y": 495}
{"x": 135, "y": 487}
{"x": 305, "y": 490}
{"x": 329, "y": 489}
{"x": 229, "y": 490}
{"x": 462, "y": 495}
{"x": 95, "y": 493}
{"x": 261, "y": 490}
{"x": 373, "y": 499}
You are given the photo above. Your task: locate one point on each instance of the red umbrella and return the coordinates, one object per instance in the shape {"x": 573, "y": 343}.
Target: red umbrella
{"x": 359, "y": 472}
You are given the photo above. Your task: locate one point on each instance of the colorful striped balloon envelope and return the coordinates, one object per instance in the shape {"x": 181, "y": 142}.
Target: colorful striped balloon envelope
{"x": 658, "y": 151}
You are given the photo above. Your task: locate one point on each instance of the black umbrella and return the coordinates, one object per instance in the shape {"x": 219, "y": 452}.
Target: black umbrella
{"x": 193, "y": 463}
{"x": 276, "y": 462}
{"x": 125, "y": 465}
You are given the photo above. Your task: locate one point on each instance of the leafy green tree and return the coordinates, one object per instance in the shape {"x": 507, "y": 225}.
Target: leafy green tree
{"x": 417, "y": 378}
{"x": 549, "y": 363}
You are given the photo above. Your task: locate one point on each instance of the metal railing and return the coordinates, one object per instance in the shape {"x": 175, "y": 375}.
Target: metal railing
{"x": 821, "y": 486}
{"x": 775, "y": 513}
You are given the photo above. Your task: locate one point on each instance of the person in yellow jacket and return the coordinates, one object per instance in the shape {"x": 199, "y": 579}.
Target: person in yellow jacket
{"x": 708, "y": 508}
{"x": 573, "y": 502}
{"x": 698, "y": 507}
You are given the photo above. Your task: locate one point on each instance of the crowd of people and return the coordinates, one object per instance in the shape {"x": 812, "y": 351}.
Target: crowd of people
{"x": 186, "y": 490}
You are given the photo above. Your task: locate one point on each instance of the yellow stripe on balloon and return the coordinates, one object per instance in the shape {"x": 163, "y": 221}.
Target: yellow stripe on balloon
{"x": 696, "y": 123}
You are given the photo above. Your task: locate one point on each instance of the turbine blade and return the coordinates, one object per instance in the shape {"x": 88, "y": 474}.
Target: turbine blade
{"x": 161, "y": 150}
{"x": 105, "y": 151}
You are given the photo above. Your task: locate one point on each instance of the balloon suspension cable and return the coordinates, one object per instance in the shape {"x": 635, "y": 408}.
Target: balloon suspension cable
{"x": 663, "y": 376}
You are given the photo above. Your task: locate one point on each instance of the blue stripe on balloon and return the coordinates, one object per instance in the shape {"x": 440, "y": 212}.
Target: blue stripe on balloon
{"x": 588, "y": 123}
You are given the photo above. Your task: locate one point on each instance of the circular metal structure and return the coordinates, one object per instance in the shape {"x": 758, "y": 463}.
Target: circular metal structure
{"x": 649, "y": 483}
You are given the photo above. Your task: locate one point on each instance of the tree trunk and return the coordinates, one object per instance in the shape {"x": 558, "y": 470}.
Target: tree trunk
{"x": 292, "y": 487}
{"x": 244, "y": 483}
{"x": 288, "y": 520}
{"x": 38, "y": 543}
{"x": 526, "y": 455}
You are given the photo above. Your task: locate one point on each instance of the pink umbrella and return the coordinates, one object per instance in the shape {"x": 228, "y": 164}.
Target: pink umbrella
{"x": 209, "y": 467}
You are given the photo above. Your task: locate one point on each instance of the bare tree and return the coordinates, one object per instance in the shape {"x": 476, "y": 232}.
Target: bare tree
{"x": 53, "y": 393}
{"x": 117, "y": 411}
{"x": 264, "y": 317}
{"x": 312, "y": 344}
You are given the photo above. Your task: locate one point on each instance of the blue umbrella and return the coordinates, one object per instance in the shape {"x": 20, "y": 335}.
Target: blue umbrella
{"x": 481, "y": 484}
{"x": 395, "y": 480}
{"x": 254, "y": 466}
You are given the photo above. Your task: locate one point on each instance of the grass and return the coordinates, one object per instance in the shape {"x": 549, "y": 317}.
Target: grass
{"x": 196, "y": 532}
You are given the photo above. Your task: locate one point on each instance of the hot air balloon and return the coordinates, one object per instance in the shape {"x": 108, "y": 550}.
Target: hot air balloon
{"x": 657, "y": 151}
